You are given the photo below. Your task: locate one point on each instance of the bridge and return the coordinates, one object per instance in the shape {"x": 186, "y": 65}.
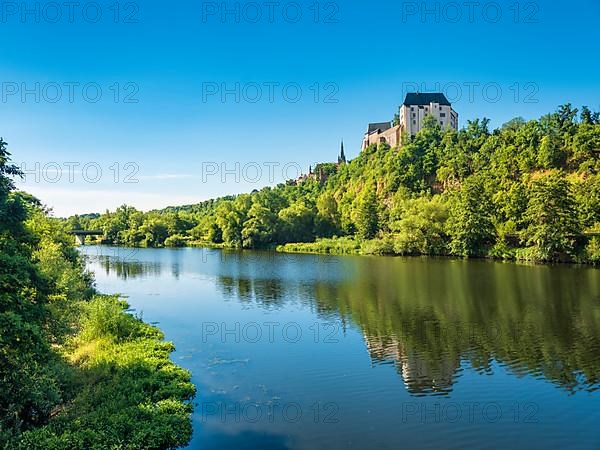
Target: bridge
{"x": 81, "y": 234}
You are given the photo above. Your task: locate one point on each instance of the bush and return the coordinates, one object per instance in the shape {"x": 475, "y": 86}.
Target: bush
{"x": 383, "y": 246}
{"x": 177, "y": 240}
{"x": 104, "y": 319}
{"x": 592, "y": 251}
{"x": 336, "y": 246}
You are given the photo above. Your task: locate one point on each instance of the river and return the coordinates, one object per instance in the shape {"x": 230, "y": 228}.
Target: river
{"x": 312, "y": 351}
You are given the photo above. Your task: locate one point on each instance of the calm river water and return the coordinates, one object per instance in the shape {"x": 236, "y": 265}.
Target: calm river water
{"x": 309, "y": 352}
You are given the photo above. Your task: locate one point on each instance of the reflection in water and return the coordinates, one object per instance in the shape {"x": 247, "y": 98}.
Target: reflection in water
{"x": 268, "y": 293}
{"x": 420, "y": 376}
{"x": 128, "y": 269}
{"x": 430, "y": 318}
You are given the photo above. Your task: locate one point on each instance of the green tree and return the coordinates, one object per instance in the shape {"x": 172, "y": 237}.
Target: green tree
{"x": 155, "y": 231}
{"x": 470, "y": 225}
{"x": 552, "y": 217}
{"x": 367, "y": 221}
{"x": 29, "y": 388}
{"x": 550, "y": 154}
{"x": 260, "y": 230}
{"x": 421, "y": 228}
{"x": 588, "y": 117}
{"x": 297, "y": 223}
{"x": 328, "y": 221}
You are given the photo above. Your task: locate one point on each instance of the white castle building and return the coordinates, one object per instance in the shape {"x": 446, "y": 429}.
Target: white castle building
{"x": 412, "y": 112}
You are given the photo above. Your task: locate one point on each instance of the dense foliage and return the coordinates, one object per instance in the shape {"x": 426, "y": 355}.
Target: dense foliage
{"x": 76, "y": 370}
{"x": 529, "y": 190}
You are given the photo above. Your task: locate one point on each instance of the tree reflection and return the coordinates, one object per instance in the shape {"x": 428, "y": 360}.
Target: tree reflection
{"x": 432, "y": 318}
{"x": 126, "y": 269}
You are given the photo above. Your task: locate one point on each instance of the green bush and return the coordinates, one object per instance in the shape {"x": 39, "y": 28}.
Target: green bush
{"x": 592, "y": 250}
{"x": 336, "y": 246}
{"x": 382, "y": 246}
{"x": 129, "y": 394}
{"x": 104, "y": 319}
{"x": 176, "y": 240}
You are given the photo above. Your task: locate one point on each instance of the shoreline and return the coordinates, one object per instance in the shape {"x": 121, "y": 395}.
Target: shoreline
{"x": 313, "y": 248}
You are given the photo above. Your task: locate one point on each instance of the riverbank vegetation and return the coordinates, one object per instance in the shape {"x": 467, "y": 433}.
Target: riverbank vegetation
{"x": 76, "y": 370}
{"x": 529, "y": 190}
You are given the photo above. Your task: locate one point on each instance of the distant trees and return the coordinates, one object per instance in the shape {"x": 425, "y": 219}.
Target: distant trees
{"x": 297, "y": 223}
{"x": 260, "y": 229}
{"x": 328, "y": 221}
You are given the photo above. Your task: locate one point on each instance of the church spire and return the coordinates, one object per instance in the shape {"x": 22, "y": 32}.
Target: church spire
{"x": 342, "y": 157}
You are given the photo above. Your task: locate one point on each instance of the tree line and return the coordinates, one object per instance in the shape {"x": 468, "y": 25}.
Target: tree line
{"x": 527, "y": 190}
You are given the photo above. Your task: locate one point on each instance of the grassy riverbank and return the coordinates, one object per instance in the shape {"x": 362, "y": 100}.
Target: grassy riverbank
{"x": 394, "y": 245}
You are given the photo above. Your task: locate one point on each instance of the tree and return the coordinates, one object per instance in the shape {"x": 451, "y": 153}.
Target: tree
{"x": 328, "y": 216}
{"x": 260, "y": 229}
{"x": 551, "y": 155}
{"x": 207, "y": 230}
{"x": 28, "y": 367}
{"x": 367, "y": 221}
{"x": 565, "y": 118}
{"x": 588, "y": 117}
{"x": 297, "y": 223}
{"x": 552, "y": 217}
{"x": 471, "y": 224}
{"x": 421, "y": 228}
{"x": 155, "y": 231}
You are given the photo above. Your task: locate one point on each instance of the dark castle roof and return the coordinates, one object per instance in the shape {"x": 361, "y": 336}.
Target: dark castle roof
{"x": 381, "y": 126}
{"x": 420, "y": 99}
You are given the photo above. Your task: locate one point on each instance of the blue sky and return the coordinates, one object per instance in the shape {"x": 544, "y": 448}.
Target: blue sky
{"x": 303, "y": 83}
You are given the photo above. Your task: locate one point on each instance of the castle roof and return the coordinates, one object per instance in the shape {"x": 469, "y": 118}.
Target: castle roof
{"x": 381, "y": 126}
{"x": 420, "y": 99}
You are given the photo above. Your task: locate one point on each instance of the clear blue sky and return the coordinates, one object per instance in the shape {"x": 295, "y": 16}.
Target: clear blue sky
{"x": 363, "y": 56}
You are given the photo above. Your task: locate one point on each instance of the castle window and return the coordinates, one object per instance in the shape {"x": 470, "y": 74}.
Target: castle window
{"x": 442, "y": 114}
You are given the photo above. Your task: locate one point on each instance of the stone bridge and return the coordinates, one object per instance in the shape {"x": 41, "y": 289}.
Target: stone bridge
{"x": 81, "y": 234}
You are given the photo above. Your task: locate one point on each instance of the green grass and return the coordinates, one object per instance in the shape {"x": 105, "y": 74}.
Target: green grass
{"x": 334, "y": 246}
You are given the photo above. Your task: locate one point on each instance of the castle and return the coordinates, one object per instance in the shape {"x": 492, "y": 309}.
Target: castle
{"x": 409, "y": 121}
